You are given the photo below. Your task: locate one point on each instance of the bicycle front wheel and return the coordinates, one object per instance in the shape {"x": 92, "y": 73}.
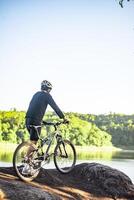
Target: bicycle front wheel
{"x": 64, "y": 156}
{"x": 27, "y": 168}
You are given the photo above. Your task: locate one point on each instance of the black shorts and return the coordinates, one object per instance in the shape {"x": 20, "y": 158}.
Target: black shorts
{"x": 32, "y": 131}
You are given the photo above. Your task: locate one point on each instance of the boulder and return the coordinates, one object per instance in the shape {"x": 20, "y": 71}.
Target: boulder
{"x": 91, "y": 181}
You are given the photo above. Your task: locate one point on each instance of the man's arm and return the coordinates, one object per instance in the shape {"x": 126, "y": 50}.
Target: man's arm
{"x": 55, "y": 107}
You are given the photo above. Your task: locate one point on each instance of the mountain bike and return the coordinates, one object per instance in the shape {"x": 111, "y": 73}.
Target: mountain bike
{"x": 63, "y": 153}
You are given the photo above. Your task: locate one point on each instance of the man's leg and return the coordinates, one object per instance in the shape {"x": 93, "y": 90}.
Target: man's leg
{"x": 33, "y": 139}
{"x": 31, "y": 148}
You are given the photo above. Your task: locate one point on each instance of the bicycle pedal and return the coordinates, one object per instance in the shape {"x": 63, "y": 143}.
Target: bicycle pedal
{"x": 41, "y": 158}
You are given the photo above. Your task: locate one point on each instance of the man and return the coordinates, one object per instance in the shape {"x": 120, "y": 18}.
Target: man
{"x": 35, "y": 114}
{"x": 37, "y": 108}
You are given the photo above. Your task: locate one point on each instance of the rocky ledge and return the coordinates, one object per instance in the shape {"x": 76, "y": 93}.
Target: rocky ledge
{"x": 91, "y": 181}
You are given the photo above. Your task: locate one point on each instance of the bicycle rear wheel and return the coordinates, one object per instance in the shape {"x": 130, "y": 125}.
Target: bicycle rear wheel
{"x": 64, "y": 156}
{"x": 21, "y": 162}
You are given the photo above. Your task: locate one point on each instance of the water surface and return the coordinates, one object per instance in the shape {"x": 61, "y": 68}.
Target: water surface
{"x": 123, "y": 161}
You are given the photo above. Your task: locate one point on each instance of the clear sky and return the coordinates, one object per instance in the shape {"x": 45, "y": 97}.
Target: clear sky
{"x": 84, "y": 48}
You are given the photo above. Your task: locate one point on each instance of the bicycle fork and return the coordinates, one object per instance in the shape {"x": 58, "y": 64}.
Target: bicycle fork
{"x": 63, "y": 154}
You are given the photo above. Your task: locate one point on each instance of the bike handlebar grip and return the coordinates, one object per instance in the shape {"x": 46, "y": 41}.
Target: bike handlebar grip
{"x": 66, "y": 121}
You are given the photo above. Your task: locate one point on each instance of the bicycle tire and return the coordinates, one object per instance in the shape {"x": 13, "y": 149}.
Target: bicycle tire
{"x": 64, "y": 145}
{"x": 19, "y": 166}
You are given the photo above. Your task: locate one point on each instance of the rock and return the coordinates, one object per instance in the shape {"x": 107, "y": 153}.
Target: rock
{"x": 103, "y": 180}
{"x": 19, "y": 190}
{"x": 91, "y": 181}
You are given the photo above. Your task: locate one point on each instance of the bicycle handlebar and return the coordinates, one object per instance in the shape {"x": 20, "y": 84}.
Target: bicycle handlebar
{"x": 54, "y": 124}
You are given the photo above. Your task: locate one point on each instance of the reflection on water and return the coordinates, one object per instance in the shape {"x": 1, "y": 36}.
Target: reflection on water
{"x": 6, "y": 157}
{"x": 94, "y": 155}
{"x": 125, "y": 154}
{"x": 110, "y": 155}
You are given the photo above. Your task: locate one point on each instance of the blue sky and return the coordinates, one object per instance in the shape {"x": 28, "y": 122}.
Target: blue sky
{"x": 84, "y": 48}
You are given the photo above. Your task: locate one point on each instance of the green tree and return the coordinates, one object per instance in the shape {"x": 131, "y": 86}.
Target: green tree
{"x": 121, "y": 2}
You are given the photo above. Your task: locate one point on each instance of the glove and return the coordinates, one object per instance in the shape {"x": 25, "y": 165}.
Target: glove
{"x": 66, "y": 121}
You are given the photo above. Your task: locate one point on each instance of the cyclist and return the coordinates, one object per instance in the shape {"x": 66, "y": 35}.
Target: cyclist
{"x": 37, "y": 108}
{"x": 36, "y": 111}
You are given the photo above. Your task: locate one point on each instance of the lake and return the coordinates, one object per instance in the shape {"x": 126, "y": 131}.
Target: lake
{"x": 123, "y": 161}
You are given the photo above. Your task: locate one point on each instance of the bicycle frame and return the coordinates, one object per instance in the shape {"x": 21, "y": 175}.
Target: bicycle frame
{"x": 50, "y": 137}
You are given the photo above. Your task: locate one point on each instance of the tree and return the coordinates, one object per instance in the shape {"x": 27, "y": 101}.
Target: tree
{"x": 121, "y": 3}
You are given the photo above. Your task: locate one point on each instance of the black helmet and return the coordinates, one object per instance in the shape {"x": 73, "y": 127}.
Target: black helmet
{"x": 46, "y": 85}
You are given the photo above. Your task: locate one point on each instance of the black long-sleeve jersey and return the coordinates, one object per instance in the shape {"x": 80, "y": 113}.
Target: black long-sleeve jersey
{"x": 38, "y": 106}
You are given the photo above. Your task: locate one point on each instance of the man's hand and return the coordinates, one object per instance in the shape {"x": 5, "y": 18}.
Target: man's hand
{"x": 65, "y": 121}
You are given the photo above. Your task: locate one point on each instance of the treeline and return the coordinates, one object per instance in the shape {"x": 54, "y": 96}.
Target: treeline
{"x": 79, "y": 131}
{"x": 84, "y": 129}
{"x": 119, "y": 126}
